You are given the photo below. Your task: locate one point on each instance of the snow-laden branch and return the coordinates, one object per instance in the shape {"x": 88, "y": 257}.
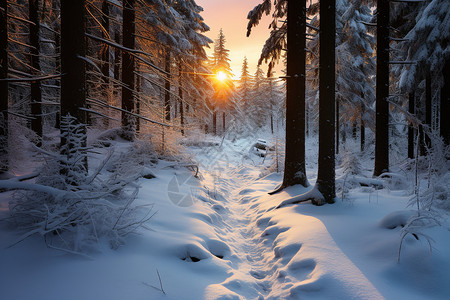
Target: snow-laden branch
{"x": 128, "y": 112}
{"x": 115, "y": 45}
{"x": 18, "y": 185}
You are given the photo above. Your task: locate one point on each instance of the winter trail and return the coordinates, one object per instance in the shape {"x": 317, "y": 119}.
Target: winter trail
{"x": 267, "y": 260}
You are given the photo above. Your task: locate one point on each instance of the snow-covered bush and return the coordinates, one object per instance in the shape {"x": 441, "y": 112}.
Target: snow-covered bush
{"x": 73, "y": 209}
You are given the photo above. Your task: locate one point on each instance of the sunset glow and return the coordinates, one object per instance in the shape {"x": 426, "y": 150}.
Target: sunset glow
{"x": 231, "y": 16}
{"x": 221, "y": 76}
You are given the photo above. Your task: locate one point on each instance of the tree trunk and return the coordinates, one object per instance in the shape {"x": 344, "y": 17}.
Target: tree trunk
{"x": 35, "y": 93}
{"x": 117, "y": 54}
{"x": 55, "y": 12}
{"x": 363, "y": 135}
{"x": 382, "y": 91}
{"x": 105, "y": 56}
{"x": 354, "y": 131}
{"x": 223, "y": 122}
{"x": 294, "y": 170}
{"x": 167, "y": 87}
{"x": 138, "y": 99}
{"x": 307, "y": 120}
{"x": 412, "y": 111}
{"x": 180, "y": 94}
{"x": 337, "y": 126}
{"x": 128, "y": 63}
{"x": 4, "y": 95}
{"x": 428, "y": 100}
{"x": 215, "y": 122}
{"x": 73, "y": 46}
{"x": 445, "y": 104}
{"x": 326, "y": 170}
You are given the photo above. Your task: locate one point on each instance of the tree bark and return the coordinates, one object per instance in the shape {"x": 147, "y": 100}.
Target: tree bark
{"x": 363, "y": 135}
{"x": 117, "y": 54}
{"x": 337, "y": 126}
{"x": 180, "y": 94}
{"x": 295, "y": 170}
{"x": 55, "y": 10}
{"x": 4, "y": 95}
{"x": 382, "y": 90}
{"x": 445, "y": 105}
{"x": 167, "y": 87}
{"x": 215, "y": 122}
{"x": 428, "y": 99}
{"x": 326, "y": 169}
{"x": 35, "y": 93}
{"x": 105, "y": 56}
{"x": 128, "y": 62}
{"x": 412, "y": 111}
{"x": 73, "y": 46}
{"x": 73, "y": 90}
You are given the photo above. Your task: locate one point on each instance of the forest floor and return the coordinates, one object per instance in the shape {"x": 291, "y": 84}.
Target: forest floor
{"x": 218, "y": 236}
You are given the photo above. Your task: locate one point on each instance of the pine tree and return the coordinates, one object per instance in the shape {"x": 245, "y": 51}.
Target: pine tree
{"x": 355, "y": 65}
{"x": 223, "y": 88}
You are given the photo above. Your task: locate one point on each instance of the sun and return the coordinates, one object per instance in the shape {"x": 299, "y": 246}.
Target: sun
{"x": 221, "y": 76}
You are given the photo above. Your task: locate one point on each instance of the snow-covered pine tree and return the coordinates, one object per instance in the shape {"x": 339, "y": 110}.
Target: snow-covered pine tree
{"x": 223, "y": 87}
{"x": 427, "y": 49}
{"x": 355, "y": 64}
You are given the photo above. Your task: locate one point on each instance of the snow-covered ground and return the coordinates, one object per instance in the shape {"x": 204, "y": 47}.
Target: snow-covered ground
{"x": 219, "y": 236}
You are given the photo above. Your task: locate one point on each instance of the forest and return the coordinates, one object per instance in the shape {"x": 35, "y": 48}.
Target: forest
{"x": 136, "y": 163}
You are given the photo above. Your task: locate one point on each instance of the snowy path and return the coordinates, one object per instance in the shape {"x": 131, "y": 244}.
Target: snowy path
{"x": 269, "y": 259}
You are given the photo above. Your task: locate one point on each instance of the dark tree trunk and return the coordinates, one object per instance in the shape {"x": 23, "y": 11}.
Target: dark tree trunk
{"x": 117, "y": 54}
{"x": 35, "y": 93}
{"x": 223, "y": 122}
{"x": 363, "y": 135}
{"x": 73, "y": 91}
{"x": 57, "y": 53}
{"x": 215, "y": 122}
{"x": 445, "y": 104}
{"x": 167, "y": 87}
{"x": 412, "y": 111}
{"x": 180, "y": 94}
{"x": 105, "y": 56}
{"x": 326, "y": 169}
{"x": 128, "y": 63}
{"x": 354, "y": 131}
{"x": 428, "y": 100}
{"x": 382, "y": 90}
{"x": 73, "y": 46}
{"x": 138, "y": 99}
{"x": 4, "y": 96}
{"x": 271, "y": 119}
{"x": 294, "y": 170}
{"x": 337, "y": 126}
{"x": 307, "y": 119}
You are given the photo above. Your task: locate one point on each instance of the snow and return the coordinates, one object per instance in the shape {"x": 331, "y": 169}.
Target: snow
{"x": 220, "y": 236}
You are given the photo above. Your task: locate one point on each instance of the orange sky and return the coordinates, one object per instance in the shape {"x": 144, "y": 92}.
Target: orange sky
{"x": 231, "y": 16}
